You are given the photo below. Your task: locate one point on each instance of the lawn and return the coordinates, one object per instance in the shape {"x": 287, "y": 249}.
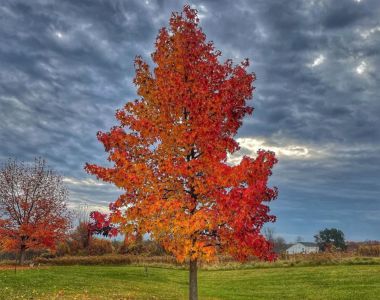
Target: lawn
{"x": 130, "y": 282}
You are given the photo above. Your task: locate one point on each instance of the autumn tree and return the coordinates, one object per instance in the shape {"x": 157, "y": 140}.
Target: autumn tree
{"x": 169, "y": 153}
{"x": 33, "y": 211}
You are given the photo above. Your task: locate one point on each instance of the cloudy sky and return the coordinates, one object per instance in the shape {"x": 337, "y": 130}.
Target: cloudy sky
{"x": 66, "y": 66}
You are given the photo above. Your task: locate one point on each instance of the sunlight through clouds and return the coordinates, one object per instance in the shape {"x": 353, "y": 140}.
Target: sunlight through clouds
{"x": 317, "y": 61}
{"x": 361, "y": 68}
{"x": 250, "y": 146}
{"x": 58, "y": 34}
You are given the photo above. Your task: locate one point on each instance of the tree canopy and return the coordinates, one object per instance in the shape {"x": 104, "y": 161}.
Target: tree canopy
{"x": 169, "y": 152}
{"x": 33, "y": 212}
{"x": 328, "y": 238}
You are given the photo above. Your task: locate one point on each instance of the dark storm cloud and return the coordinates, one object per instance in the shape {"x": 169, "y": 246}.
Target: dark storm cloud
{"x": 66, "y": 66}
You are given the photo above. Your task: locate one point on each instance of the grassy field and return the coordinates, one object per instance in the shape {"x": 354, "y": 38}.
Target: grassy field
{"x": 131, "y": 282}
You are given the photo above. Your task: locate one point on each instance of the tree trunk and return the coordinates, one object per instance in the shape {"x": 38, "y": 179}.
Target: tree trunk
{"x": 22, "y": 255}
{"x": 193, "y": 282}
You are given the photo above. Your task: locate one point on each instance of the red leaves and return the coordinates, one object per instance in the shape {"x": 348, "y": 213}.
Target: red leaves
{"x": 101, "y": 224}
{"x": 31, "y": 220}
{"x": 169, "y": 152}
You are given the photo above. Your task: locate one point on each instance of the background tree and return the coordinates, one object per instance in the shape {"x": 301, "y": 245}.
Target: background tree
{"x": 279, "y": 245}
{"x": 330, "y": 238}
{"x": 169, "y": 153}
{"x": 33, "y": 211}
{"x": 278, "y": 242}
{"x": 269, "y": 234}
{"x": 79, "y": 238}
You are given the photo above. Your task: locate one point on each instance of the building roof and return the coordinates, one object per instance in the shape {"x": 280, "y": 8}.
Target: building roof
{"x": 306, "y": 244}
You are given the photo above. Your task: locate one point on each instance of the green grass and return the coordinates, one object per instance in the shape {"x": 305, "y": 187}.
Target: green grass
{"x": 131, "y": 282}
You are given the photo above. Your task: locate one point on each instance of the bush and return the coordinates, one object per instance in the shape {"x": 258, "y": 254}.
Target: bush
{"x": 107, "y": 260}
{"x": 84, "y": 260}
{"x": 226, "y": 263}
{"x": 99, "y": 247}
{"x": 369, "y": 250}
{"x": 47, "y": 255}
{"x": 29, "y": 254}
{"x": 141, "y": 247}
{"x": 63, "y": 248}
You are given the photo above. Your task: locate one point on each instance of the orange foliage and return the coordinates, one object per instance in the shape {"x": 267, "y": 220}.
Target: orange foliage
{"x": 169, "y": 152}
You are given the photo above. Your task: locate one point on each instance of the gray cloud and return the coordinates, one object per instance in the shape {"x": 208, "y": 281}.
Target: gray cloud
{"x": 66, "y": 66}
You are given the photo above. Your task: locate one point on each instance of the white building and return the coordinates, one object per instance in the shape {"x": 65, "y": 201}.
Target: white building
{"x": 302, "y": 247}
